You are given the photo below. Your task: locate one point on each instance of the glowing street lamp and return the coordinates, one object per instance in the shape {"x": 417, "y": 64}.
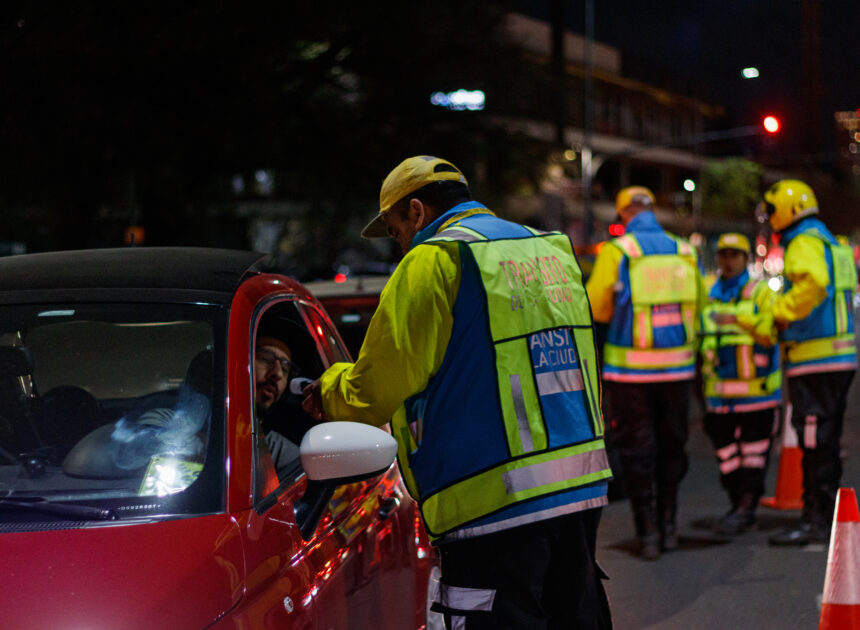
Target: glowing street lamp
{"x": 459, "y": 100}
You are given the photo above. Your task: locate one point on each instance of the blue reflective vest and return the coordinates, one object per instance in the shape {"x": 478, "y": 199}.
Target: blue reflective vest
{"x": 739, "y": 375}
{"x": 652, "y": 333}
{"x": 824, "y": 340}
{"x": 509, "y": 430}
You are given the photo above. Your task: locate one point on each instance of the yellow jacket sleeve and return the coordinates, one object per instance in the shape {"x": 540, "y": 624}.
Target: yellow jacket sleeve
{"x": 806, "y": 267}
{"x": 601, "y": 284}
{"x": 760, "y": 324}
{"x": 405, "y": 342}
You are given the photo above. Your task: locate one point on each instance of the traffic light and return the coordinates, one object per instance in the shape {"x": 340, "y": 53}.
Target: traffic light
{"x": 616, "y": 229}
{"x": 771, "y": 124}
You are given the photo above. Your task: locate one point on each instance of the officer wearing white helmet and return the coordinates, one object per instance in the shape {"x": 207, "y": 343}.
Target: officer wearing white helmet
{"x": 816, "y": 323}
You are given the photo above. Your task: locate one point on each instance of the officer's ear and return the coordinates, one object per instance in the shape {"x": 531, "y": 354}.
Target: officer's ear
{"x": 417, "y": 213}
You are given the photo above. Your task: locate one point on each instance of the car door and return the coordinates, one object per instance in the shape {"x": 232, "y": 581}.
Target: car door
{"x": 278, "y": 579}
{"x": 372, "y": 523}
{"x": 320, "y": 582}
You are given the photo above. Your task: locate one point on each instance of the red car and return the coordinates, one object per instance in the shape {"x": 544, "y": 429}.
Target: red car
{"x": 137, "y": 485}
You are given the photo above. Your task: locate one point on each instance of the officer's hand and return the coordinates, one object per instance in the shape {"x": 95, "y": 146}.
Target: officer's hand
{"x": 312, "y": 402}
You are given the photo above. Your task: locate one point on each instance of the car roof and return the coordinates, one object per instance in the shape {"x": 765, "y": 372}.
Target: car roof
{"x": 178, "y": 272}
{"x": 351, "y": 287}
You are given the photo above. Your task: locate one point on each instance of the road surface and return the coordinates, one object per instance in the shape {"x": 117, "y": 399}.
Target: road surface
{"x": 712, "y": 582}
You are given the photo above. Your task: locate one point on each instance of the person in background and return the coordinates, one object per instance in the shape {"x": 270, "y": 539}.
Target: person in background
{"x": 482, "y": 350}
{"x": 647, "y": 292}
{"x": 814, "y": 314}
{"x": 741, "y": 378}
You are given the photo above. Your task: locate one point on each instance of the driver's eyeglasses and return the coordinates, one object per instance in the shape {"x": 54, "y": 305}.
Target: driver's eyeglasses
{"x": 268, "y": 358}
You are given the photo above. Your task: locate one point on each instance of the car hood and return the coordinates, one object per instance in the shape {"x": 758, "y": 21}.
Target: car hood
{"x": 182, "y": 573}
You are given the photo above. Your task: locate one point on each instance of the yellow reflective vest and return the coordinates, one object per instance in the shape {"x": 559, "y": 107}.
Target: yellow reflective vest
{"x": 507, "y": 430}
{"x": 740, "y": 361}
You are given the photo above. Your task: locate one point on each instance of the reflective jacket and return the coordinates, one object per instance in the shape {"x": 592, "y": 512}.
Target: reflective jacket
{"x": 656, "y": 293}
{"x": 740, "y": 369}
{"x": 817, "y": 301}
{"x": 506, "y": 429}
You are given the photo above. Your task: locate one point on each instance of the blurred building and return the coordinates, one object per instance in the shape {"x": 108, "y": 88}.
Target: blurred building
{"x": 634, "y": 127}
{"x": 847, "y": 136}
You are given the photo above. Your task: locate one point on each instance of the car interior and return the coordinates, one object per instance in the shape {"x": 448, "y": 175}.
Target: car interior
{"x": 89, "y": 406}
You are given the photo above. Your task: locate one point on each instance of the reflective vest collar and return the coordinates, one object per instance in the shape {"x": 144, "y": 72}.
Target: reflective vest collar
{"x": 811, "y": 226}
{"x": 631, "y": 247}
{"x": 449, "y": 217}
{"x": 732, "y": 289}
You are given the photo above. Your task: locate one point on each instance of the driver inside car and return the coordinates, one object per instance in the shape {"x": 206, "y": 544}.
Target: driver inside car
{"x": 273, "y": 367}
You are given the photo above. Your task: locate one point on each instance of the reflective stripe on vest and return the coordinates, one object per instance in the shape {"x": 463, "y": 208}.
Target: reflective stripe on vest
{"x": 840, "y": 345}
{"x": 540, "y": 328}
{"x": 629, "y": 245}
{"x": 746, "y": 388}
{"x": 648, "y": 359}
{"x": 513, "y": 482}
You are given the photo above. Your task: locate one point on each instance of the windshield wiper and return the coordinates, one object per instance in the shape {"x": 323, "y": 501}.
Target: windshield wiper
{"x": 80, "y": 512}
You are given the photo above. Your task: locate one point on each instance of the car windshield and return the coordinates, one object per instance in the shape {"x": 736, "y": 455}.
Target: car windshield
{"x": 112, "y": 406}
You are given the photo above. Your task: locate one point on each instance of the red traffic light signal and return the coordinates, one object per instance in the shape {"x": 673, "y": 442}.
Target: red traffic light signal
{"x": 616, "y": 229}
{"x": 771, "y": 124}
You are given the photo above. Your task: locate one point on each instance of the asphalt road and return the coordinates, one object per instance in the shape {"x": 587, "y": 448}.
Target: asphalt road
{"x": 712, "y": 582}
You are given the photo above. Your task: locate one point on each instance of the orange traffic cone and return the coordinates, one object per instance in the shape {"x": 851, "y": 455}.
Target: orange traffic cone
{"x": 789, "y": 479}
{"x": 840, "y": 602}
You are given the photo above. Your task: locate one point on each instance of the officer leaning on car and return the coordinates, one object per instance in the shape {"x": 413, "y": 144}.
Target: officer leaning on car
{"x": 482, "y": 354}
{"x": 741, "y": 379}
{"x": 816, "y": 324}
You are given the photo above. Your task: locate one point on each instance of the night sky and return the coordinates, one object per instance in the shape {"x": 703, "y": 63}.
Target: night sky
{"x": 117, "y": 112}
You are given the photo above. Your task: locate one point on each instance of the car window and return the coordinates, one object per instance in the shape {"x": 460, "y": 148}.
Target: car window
{"x": 109, "y": 404}
{"x": 329, "y": 341}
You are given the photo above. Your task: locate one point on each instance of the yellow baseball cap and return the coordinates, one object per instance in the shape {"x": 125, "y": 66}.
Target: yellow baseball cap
{"x": 639, "y": 194}
{"x": 407, "y": 177}
{"x": 734, "y": 240}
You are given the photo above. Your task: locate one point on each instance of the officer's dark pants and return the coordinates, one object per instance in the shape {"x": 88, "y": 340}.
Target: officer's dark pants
{"x": 651, "y": 421}
{"x": 742, "y": 444}
{"x": 818, "y": 409}
{"x": 540, "y": 576}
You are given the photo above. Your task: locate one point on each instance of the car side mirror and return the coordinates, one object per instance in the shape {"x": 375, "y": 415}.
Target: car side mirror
{"x": 335, "y": 453}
